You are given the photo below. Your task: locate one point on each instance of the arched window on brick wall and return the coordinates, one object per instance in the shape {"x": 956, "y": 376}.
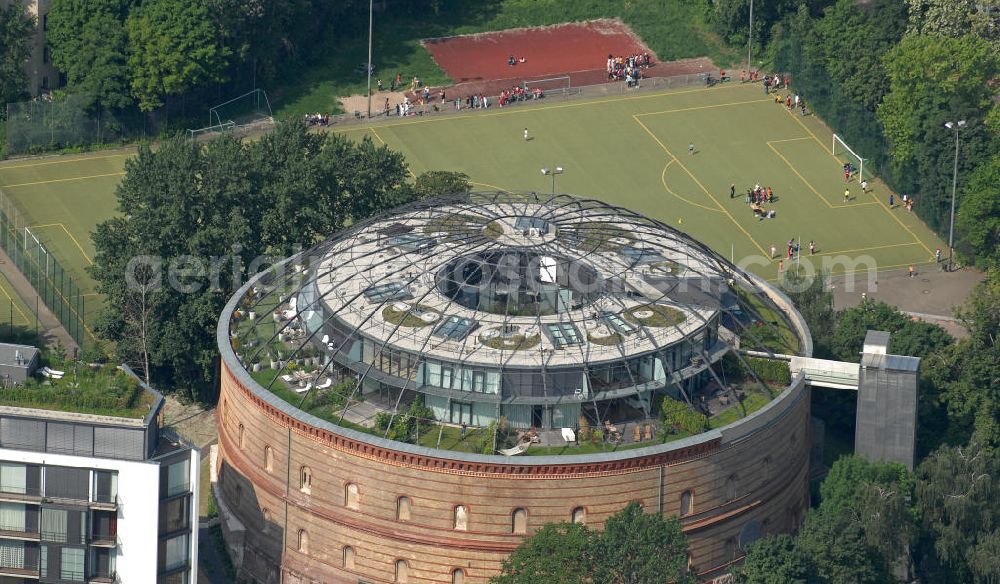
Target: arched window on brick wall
{"x": 305, "y": 479}
{"x": 402, "y": 572}
{"x": 687, "y": 503}
{"x": 268, "y": 459}
{"x": 303, "y": 541}
{"x": 765, "y": 470}
{"x": 730, "y": 488}
{"x": 265, "y": 520}
{"x": 240, "y": 438}
{"x": 458, "y": 576}
{"x": 348, "y": 558}
{"x": 579, "y": 515}
{"x": 403, "y": 509}
{"x": 351, "y": 496}
{"x": 461, "y": 518}
{"x": 519, "y": 521}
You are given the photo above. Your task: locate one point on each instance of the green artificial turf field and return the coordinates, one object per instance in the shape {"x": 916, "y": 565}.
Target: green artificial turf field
{"x": 62, "y": 199}
{"x": 633, "y": 152}
{"x": 630, "y": 151}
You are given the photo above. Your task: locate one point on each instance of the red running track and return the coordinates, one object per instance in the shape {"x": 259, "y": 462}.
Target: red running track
{"x": 478, "y": 63}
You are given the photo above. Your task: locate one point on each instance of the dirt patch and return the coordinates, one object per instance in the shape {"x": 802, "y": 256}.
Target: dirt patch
{"x": 359, "y": 103}
{"x": 192, "y": 422}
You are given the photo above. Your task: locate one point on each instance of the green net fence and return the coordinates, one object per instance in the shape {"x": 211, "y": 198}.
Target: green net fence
{"x": 70, "y": 121}
{"x": 54, "y": 284}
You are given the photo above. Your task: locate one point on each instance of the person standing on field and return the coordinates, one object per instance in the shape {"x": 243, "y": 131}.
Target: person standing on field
{"x": 847, "y": 195}
{"x": 526, "y": 134}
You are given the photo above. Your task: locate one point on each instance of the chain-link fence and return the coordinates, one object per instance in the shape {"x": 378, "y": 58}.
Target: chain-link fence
{"x": 53, "y": 283}
{"x": 70, "y": 121}
{"x": 560, "y": 92}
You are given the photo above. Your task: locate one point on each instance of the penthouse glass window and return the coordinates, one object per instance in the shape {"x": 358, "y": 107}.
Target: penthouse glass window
{"x": 174, "y": 479}
{"x": 455, "y": 328}
{"x": 563, "y": 334}
{"x": 384, "y": 292}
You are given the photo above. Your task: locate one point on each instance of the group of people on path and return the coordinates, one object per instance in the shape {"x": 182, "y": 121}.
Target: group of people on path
{"x": 792, "y": 249}
{"x": 628, "y": 68}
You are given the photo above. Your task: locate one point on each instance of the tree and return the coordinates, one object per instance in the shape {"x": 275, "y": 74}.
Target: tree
{"x": 958, "y": 497}
{"x": 853, "y": 37}
{"x": 173, "y": 46}
{"x": 88, "y": 43}
{"x": 955, "y": 18}
{"x": 436, "y": 183}
{"x": 934, "y": 79}
{"x": 967, "y": 374}
{"x": 978, "y": 219}
{"x": 837, "y": 545}
{"x": 776, "y": 560}
{"x": 558, "y": 553}
{"x": 634, "y": 548}
{"x": 641, "y": 548}
{"x": 16, "y": 29}
{"x": 908, "y": 337}
{"x": 814, "y": 300}
{"x": 199, "y": 217}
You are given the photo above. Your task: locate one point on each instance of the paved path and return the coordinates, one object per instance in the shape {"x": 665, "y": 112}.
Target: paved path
{"x": 930, "y": 295}
{"x": 51, "y": 329}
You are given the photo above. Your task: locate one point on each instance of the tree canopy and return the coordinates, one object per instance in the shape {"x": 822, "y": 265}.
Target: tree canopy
{"x": 635, "y": 547}
{"x": 174, "y": 46}
{"x": 16, "y": 28}
{"x": 89, "y": 45}
{"x": 202, "y": 215}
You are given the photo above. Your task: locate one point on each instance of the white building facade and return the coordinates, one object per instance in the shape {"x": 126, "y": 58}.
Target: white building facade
{"x": 86, "y": 498}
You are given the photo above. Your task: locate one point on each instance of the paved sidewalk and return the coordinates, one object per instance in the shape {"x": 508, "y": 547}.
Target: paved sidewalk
{"x": 931, "y": 295}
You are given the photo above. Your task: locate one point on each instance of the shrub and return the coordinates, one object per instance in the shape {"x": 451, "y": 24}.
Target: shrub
{"x": 770, "y": 370}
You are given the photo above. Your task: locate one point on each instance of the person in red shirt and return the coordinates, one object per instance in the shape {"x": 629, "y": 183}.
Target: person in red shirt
{"x": 788, "y": 102}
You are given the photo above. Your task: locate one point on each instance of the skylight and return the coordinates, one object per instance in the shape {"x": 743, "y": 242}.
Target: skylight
{"x": 455, "y": 328}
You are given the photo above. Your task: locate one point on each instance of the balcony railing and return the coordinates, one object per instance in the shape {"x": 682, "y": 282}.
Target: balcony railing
{"x": 20, "y": 493}
{"x": 103, "y": 539}
{"x": 63, "y": 537}
{"x": 105, "y": 577}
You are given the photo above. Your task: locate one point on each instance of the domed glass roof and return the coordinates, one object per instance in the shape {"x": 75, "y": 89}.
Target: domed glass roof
{"x": 516, "y": 297}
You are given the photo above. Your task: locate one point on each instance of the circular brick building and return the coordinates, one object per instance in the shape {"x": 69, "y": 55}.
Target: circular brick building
{"x": 408, "y": 400}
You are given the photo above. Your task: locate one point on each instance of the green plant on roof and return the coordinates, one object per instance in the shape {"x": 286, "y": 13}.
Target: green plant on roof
{"x": 410, "y": 317}
{"x": 602, "y": 236}
{"x": 655, "y": 315}
{"x": 612, "y": 339}
{"x": 493, "y": 230}
{"x": 516, "y": 342}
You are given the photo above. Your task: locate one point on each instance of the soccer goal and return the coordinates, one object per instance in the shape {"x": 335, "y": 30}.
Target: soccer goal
{"x": 841, "y": 149}
{"x": 553, "y": 85}
{"x": 212, "y": 131}
{"x": 249, "y": 108}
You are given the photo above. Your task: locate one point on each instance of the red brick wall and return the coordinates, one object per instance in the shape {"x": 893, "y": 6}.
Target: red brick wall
{"x": 490, "y": 492}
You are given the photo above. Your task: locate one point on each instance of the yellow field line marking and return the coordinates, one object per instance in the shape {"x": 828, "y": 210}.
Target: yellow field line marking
{"x": 379, "y": 138}
{"x": 70, "y": 235}
{"x": 4, "y": 167}
{"x": 511, "y": 111}
{"x": 877, "y": 200}
{"x": 698, "y": 107}
{"x": 802, "y": 178}
{"x": 663, "y": 179}
{"x": 3, "y": 288}
{"x": 790, "y": 139}
{"x": 58, "y": 180}
{"x": 501, "y": 189}
{"x": 698, "y": 182}
{"x": 877, "y": 270}
{"x": 863, "y": 249}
